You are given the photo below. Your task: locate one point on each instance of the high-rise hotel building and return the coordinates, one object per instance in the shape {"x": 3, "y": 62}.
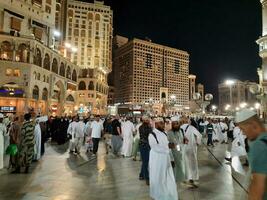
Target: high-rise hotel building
{"x": 146, "y": 71}
{"x": 89, "y": 28}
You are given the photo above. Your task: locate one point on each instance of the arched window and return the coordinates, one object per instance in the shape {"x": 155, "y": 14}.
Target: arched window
{"x": 34, "y": 75}
{"x": 47, "y": 79}
{"x": 22, "y": 54}
{"x": 62, "y": 69}
{"x": 38, "y": 76}
{"x": 35, "y": 92}
{"x": 45, "y": 94}
{"x": 91, "y": 86}
{"x": 82, "y": 86}
{"x": 70, "y": 13}
{"x": 74, "y": 75}
{"x": 70, "y": 98}
{"x": 46, "y": 62}
{"x": 38, "y": 58}
{"x": 163, "y": 95}
{"x": 6, "y": 51}
{"x": 97, "y": 17}
{"x": 68, "y": 74}
{"x": 90, "y": 16}
{"x": 55, "y": 66}
{"x": 44, "y": 78}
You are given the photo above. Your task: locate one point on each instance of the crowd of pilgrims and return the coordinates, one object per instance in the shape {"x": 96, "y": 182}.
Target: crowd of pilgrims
{"x": 167, "y": 146}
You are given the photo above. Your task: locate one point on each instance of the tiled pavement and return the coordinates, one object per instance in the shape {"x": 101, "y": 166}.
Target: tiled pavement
{"x": 60, "y": 176}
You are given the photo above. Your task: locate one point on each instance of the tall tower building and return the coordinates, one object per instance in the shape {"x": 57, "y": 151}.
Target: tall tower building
{"x": 146, "y": 71}
{"x": 262, "y": 42}
{"x": 200, "y": 90}
{"x": 89, "y": 28}
{"x": 192, "y": 86}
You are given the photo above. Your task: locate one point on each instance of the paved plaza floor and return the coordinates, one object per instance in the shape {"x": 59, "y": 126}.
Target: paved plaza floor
{"x": 61, "y": 176}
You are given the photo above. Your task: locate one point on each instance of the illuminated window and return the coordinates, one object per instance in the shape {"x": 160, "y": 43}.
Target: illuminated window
{"x": 17, "y": 72}
{"x": 9, "y": 72}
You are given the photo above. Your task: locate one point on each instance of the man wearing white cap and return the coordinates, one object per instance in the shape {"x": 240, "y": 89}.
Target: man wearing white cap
{"x": 194, "y": 139}
{"x": 127, "y": 130}
{"x": 2, "y": 134}
{"x": 162, "y": 181}
{"x": 79, "y": 134}
{"x": 176, "y": 137}
{"x": 254, "y": 129}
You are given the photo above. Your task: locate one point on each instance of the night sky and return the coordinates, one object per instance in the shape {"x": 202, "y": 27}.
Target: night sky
{"x": 219, "y": 35}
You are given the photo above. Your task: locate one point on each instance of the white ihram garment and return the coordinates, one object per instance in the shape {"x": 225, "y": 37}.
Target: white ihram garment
{"x": 223, "y": 126}
{"x": 162, "y": 181}
{"x": 127, "y": 130}
{"x": 191, "y": 163}
{"x": 238, "y": 145}
{"x": 37, "y": 140}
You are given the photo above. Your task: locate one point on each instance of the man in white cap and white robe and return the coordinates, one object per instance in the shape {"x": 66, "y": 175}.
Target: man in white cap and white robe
{"x": 162, "y": 181}
{"x": 176, "y": 137}
{"x": 79, "y": 135}
{"x": 254, "y": 129}
{"x": 127, "y": 130}
{"x": 3, "y": 132}
{"x": 193, "y": 140}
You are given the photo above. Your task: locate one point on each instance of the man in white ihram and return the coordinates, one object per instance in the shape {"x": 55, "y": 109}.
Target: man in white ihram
{"x": 193, "y": 139}
{"x": 162, "y": 181}
{"x": 127, "y": 130}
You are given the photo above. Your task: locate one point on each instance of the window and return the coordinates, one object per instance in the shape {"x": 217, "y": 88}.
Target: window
{"x": 176, "y": 66}
{"x": 9, "y": 72}
{"x": 17, "y": 73}
{"x": 148, "y": 60}
{"x": 35, "y": 92}
{"x": 82, "y": 86}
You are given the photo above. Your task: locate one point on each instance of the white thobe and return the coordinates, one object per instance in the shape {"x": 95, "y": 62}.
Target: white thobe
{"x": 79, "y": 135}
{"x": 215, "y": 134}
{"x": 239, "y": 137}
{"x": 127, "y": 130}
{"x": 37, "y": 139}
{"x": 223, "y": 136}
{"x": 2, "y": 144}
{"x": 72, "y": 133}
{"x": 191, "y": 163}
{"x": 162, "y": 181}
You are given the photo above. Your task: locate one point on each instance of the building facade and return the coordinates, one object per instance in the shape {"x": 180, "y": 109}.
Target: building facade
{"x": 145, "y": 72}
{"x": 89, "y": 28}
{"x": 34, "y": 77}
{"x": 231, "y": 97}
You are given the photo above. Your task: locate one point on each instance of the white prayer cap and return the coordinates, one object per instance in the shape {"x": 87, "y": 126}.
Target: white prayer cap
{"x": 244, "y": 115}
{"x": 175, "y": 118}
{"x": 91, "y": 117}
{"x": 81, "y": 118}
{"x": 158, "y": 119}
{"x": 145, "y": 117}
{"x": 1, "y": 115}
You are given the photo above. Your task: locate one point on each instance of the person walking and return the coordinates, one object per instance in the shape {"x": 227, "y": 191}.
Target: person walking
{"x": 26, "y": 149}
{"x": 79, "y": 135}
{"x": 162, "y": 181}
{"x": 144, "y": 130}
{"x": 15, "y": 135}
{"x": 3, "y": 132}
{"x": 255, "y": 130}
{"x": 176, "y": 137}
{"x": 127, "y": 130}
{"x": 210, "y": 132}
{"x": 97, "y": 130}
{"x": 116, "y": 139}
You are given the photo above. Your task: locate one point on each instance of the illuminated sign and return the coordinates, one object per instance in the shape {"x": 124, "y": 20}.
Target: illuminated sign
{"x": 7, "y": 109}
